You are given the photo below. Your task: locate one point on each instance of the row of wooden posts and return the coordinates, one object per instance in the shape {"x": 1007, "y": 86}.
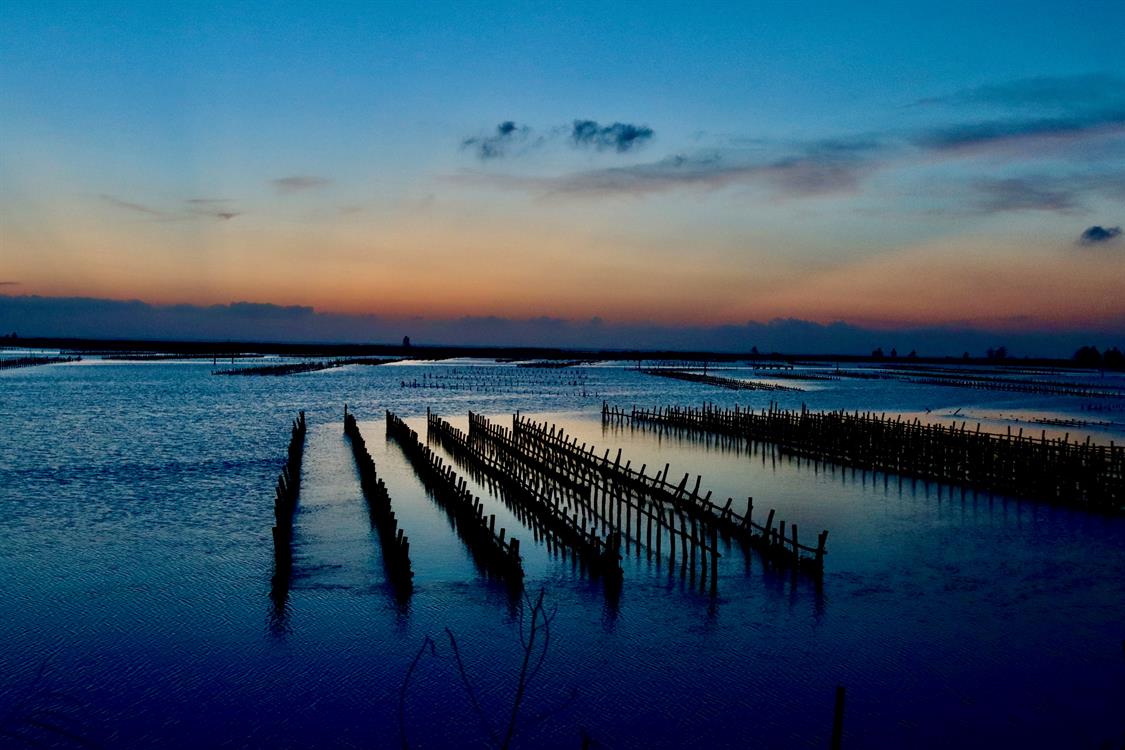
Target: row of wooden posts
{"x": 733, "y": 384}
{"x": 569, "y": 496}
{"x": 617, "y": 507}
{"x": 965, "y": 379}
{"x": 499, "y": 555}
{"x": 582, "y": 463}
{"x": 11, "y": 363}
{"x": 392, "y": 539}
{"x": 285, "y": 502}
{"x": 607, "y": 506}
{"x": 1059, "y": 470}
{"x": 296, "y": 368}
{"x": 549, "y": 509}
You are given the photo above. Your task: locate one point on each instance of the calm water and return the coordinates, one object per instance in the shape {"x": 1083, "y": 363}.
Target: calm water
{"x": 136, "y": 558}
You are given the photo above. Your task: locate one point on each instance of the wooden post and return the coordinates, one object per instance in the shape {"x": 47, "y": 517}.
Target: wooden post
{"x": 671, "y": 537}
{"x": 648, "y": 534}
{"x": 714, "y": 559}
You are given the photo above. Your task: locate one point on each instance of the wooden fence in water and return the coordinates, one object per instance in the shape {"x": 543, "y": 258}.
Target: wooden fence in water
{"x": 733, "y": 384}
{"x": 556, "y": 513}
{"x": 616, "y": 509}
{"x": 582, "y": 463}
{"x": 11, "y": 363}
{"x": 1058, "y": 470}
{"x": 954, "y": 378}
{"x": 285, "y": 502}
{"x": 296, "y": 368}
{"x": 392, "y": 539}
{"x": 498, "y": 555}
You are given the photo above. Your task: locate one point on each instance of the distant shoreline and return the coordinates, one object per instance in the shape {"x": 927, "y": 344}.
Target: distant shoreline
{"x": 200, "y": 349}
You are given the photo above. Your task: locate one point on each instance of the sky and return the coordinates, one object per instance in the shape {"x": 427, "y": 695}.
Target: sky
{"x": 642, "y": 168}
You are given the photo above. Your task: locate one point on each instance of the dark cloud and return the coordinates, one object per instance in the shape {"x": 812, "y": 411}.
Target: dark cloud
{"x": 298, "y": 183}
{"x": 9, "y": 283}
{"x": 1097, "y": 235}
{"x": 263, "y": 310}
{"x": 619, "y": 136}
{"x": 510, "y": 138}
{"x": 500, "y": 143}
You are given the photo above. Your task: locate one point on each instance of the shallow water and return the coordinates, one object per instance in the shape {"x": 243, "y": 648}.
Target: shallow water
{"x": 136, "y": 561}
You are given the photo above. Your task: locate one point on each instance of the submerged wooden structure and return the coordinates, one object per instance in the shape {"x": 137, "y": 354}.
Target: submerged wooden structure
{"x": 392, "y": 539}
{"x": 498, "y": 555}
{"x": 1053, "y": 469}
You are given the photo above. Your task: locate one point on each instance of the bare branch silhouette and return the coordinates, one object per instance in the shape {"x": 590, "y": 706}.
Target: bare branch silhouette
{"x": 469, "y": 688}
{"x": 535, "y": 640}
{"x": 529, "y": 648}
{"x": 406, "y": 685}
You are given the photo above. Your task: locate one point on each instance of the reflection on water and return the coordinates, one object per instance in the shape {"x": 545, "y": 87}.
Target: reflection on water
{"x": 137, "y": 555}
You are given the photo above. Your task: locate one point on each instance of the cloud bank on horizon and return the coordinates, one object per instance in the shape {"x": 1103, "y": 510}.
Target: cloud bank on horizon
{"x": 31, "y": 316}
{"x": 691, "y": 166}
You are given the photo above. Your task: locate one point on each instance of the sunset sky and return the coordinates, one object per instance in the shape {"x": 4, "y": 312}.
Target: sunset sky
{"x": 697, "y": 164}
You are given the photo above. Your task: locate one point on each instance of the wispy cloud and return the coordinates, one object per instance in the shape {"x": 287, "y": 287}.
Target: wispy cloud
{"x": 1092, "y": 90}
{"x": 996, "y": 133}
{"x": 620, "y": 136}
{"x": 219, "y": 208}
{"x": 9, "y": 283}
{"x": 1098, "y": 235}
{"x": 1059, "y": 110}
{"x": 1024, "y": 194}
{"x": 819, "y": 168}
{"x": 192, "y": 208}
{"x": 1065, "y": 108}
{"x": 507, "y": 136}
{"x": 1068, "y": 194}
{"x": 137, "y": 208}
{"x": 298, "y": 183}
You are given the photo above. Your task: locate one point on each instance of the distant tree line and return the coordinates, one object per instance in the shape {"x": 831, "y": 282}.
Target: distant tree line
{"x": 1089, "y": 356}
{"x": 878, "y": 354}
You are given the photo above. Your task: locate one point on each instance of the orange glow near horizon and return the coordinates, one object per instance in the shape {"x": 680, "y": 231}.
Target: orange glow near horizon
{"x": 455, "y": 267}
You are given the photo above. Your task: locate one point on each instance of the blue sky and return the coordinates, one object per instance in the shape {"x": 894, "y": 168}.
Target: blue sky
{"x": 884, "y": 164}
